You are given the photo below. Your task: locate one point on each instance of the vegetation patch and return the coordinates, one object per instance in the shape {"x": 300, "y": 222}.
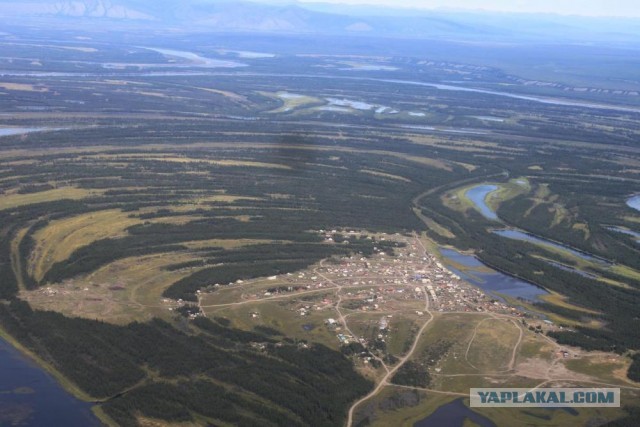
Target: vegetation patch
{"x": 10, "y": 201}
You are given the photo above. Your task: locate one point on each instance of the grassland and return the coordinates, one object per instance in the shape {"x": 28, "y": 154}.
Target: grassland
{"x": 121, "y": 292}
{"x": 238, "y": 163}
{"x": 21, "y": 87}
{"x": 282, "y": 317}
{"x": 492, "y": 347}
{"x": 386, "y": 175}
{"x": 58, "y": 240}
{"x": 10, "y": 201}
{"x": 561, "y": 301}
{"x": 556, "y": 318}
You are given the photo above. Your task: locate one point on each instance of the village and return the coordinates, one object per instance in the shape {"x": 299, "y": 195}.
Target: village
{"x": 359, "y": 299}
{"x": 384, "y": 284}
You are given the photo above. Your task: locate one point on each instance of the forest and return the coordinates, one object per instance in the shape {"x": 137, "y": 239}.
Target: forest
{"x": 220, "y": 177}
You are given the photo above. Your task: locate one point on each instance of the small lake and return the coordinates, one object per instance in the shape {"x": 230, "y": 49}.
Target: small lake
{"x": 29, "y": 396}
{"x": 489, "y": 119}
{"x": 634, "y": 202}
{"x": 247, "y": 54}
{"x": 195, "y": 59}
{"x": 492, "y": 282}
{"x": 454, "y": 414}
{"x": 526, "y": 237}
{"x": 478, "y": 195}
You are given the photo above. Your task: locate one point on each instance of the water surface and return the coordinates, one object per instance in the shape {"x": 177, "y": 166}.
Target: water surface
{"x": 625, "y": 231}
{"x": 454, "y": 414}
{"x": 29, "y": 396}
{"x": 526, "y": 237}
{"x": 196, "y": 59}
{"x": 634, "y": 202}
{"x": 478, "y": 195}
{"x": 20, "y": 131}
{"x": 571, "y": 269}
{"x": 542, "y": 100}
{"x": 491, "y": 281}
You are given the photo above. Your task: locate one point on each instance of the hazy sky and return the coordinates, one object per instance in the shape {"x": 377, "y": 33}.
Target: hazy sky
{"x": 565, "y": 7}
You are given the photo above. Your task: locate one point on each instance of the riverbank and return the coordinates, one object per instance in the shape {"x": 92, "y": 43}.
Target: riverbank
{"x": 37, "y": 394}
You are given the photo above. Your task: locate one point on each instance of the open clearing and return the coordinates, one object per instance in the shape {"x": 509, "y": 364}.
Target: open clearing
{"x": 68, "y": 193}
{"x": 385, "y": 175}
{"x": 123, "y": 291}
{"x": 291, "y": 101}
{"x": 60, "y": 238}
{"x": 492, "y": 346}
{"x": 22, "y": 87}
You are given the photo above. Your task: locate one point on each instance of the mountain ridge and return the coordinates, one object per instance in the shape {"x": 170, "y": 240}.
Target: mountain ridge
{"x": 294, "y": 17}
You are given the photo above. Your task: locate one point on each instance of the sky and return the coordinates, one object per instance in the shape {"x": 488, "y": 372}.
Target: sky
{"x": 622, "y": 8}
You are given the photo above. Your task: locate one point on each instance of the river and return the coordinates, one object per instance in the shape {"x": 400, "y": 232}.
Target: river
{"x": 29, "y": 396}
{"x": 478, "y": 195}
{"x": 634, "y": 202}
{"x": 537, "y": 99}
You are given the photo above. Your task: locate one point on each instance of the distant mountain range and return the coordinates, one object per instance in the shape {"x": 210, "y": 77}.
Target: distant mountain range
{"x": 292, "y": 17}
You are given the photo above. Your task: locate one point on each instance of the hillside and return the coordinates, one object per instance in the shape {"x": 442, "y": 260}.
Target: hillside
{"x": 300, "y": 18}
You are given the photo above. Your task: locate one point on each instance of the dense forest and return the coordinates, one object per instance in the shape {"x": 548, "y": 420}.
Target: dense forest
{"x": 210, "y": 370}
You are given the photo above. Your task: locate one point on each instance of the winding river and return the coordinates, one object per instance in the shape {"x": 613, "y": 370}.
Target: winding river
{"x": 634, "y": 202}
{"x": 478, "y": 195}
{"x": 233, "y": 64}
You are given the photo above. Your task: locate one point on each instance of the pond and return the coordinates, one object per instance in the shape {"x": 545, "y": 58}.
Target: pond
{"x": 31, "y": 396}
{"x": 491, "y": 281}
{"x": 478, "y": 195}
{"x": 194, "y": 59}
{"x": 454, "y": 414}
